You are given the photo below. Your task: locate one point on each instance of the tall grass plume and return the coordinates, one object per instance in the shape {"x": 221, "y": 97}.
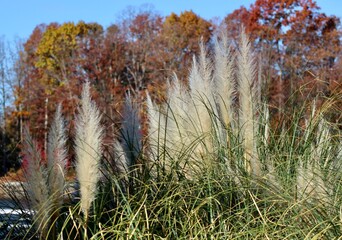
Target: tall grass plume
{"x": 224, "y": 79}
{"x": 247, "y": 111}
{"x": 36, "y": 176}
{"x": 57, "y": 158}
{"x": 131, "y": 132}
{"x": 88, "y": 149}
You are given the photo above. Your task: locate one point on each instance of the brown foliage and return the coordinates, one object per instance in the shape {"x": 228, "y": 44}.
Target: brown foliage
{"x": 297, "y": 45}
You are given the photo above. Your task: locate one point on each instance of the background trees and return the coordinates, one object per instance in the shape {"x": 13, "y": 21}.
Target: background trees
{"x": 298, "y": 49}
{"x": 3, "y": 103}
{"x": 181, "y": 35}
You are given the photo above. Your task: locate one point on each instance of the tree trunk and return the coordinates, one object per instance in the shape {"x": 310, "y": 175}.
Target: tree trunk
{"x": 3, "y": 106}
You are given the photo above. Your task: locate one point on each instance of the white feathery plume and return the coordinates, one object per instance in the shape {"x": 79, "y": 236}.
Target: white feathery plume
{"x": 167, "y": 126}
{"x": 177, "y": 97}
{"x": 196, "y": 90}
{"x": 56, "y": 157}
{"x": 156, "y": 127}
{"x": 177, "y": 124}
{"x": 167, "y": 131}
{"x": 202, "y": 100}
{"x": 247, "y": 113}
{"x": 195, "y": 80}
{"x": 224, "y": 79}
{"x": 35, "y": 174}
{"x": 198, "y": 118}
{"x": 201, "y": 125}
{"x": 205, "y": 70}
{"x": 88, "y": 149}
{"x": 201, "y": 91}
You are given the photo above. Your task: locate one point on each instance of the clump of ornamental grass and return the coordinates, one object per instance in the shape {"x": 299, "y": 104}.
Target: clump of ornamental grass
{"x": 45, "y": 182}
{"x": 204, "y": 161}
{"x": 276, "y": 162}
{"x": 204, "y": 116}
{"x": 183, "y": 121}
{"x": 218, "y": 170}
{"x": 312, "y": 175}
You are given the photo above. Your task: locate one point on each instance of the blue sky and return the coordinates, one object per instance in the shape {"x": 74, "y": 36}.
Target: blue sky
{"x": 19, "y": 17}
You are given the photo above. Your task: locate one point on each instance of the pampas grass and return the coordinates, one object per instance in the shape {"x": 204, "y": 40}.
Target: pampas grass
{"x": 36, "y": 176}
{"x": 131, "y": 132}
{"x": 204, "y": 115}
{"x": 224, "y": 80}
{"x": 121, "y": 161}
{"x": 57, "y": 158}
{"x": 311, "y": 179}
{"x": 184, "y": 120}
{"x": 88, "y": 149}
{"x": 46, "y": 182}
{"x": 177, "y": 116}
{"x": 247, "y": 111}
{"x": 156, "y": 121}
{"x": 202, "y": 102}
{"x": 218, "y": 170}
{"x": 310, "y": 184}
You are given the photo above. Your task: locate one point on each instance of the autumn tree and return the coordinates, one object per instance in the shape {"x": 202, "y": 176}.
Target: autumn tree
{"x": 62, "y": 52}
{"x": 30, "y": 101}
{"x": 10, "y": 79}
{"x": 3, "y": 104}
{"x": 103, "y": 61}
{"x": 312, "y": 43}
{"x": 16, "y": 87}
{"x": 295, "y": 42}
{"x": 54, "y": 65}
{"x": 141, "y": 29}
{"x": 181, "y": 36}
